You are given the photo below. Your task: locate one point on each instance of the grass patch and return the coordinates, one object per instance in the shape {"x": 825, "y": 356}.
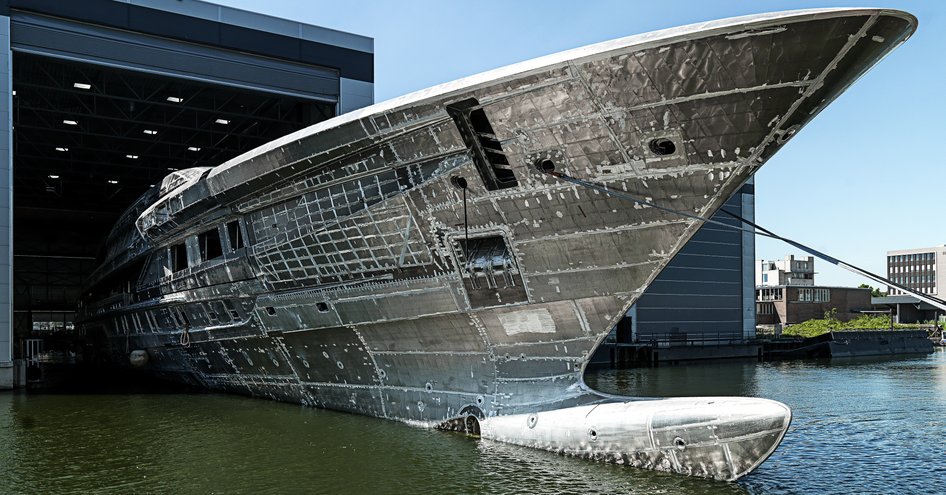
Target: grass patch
{"x": 830, "y": 322}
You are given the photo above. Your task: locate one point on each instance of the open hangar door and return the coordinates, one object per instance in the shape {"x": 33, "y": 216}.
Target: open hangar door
{"x": 88, "y": 140}
{"x": 98, "y": 113}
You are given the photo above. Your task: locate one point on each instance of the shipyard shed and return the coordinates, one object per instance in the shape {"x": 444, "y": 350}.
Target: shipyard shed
{"x": 100, "y": 99}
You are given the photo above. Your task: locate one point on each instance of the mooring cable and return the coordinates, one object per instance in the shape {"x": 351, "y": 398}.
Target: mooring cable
{"x": 548, "y": 168}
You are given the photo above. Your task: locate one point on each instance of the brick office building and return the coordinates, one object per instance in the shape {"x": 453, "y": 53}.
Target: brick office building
{"x": 787, "y": 305}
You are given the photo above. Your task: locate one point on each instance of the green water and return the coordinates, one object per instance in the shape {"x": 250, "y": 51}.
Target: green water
{"x": 876, "y": 426}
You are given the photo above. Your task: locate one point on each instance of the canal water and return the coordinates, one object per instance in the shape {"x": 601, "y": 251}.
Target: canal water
{"x": 864, "y": 426}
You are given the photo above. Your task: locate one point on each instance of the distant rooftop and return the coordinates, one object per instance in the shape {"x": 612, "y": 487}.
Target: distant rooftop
{"x": 915, "y": 250}
{"x": 254, "y": 20}
{"x": 901, "y": 299}
{"x": 810, "y": 287}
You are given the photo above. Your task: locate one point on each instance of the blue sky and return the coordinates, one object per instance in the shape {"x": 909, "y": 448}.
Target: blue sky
{"x": 863, "y": 178}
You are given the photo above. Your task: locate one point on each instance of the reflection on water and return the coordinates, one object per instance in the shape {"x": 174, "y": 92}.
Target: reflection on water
{"x": 735, "y": 378}
{"x": 860, "y": 426}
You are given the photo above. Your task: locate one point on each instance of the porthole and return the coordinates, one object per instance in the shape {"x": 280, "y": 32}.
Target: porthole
{"x": 322, "y": 307}
{"x": 271, "y": 311}
{"x": 593, "y": 434}
{"x": 679, "y": 443}
{"x": 545, "y": 166}
{"x": 662, "y": 147}
{"x": 458, "y": 182}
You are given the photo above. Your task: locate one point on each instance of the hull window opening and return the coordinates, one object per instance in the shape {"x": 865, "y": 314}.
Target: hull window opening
{"x": 479, "y": 137}
{"x": 209, "y": 244}
{"x": 489, "y": 270}
{"x": 235, "y": 235}
{"x": 178, "y": 253}
{"x": 489, "y": 263}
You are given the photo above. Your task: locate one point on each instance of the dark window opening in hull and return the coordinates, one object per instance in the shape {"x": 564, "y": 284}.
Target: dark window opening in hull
{"x": 235, "y": 235}
{"x": 489, "y": 270}
{"x": 489, "y": 263}
{"x": 178, "y": 254}
{"x": 479, "y": 137}
{"x": 209, "y": 244}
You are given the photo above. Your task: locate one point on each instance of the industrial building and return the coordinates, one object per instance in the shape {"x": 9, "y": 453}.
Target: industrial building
{"x": 786, "y": 294}
{"x": 100, "y": 99}
{"x": 788, "y": 271}
{"x": 788, "y": 304}
{"x": 706, "y": 292}
{"x": 921, "y": 269}
{"x": 702, "y": 305}
{"x": 907, "y": 309}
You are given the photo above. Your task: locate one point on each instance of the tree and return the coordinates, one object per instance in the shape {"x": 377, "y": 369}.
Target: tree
{"x": 874, "y": 292}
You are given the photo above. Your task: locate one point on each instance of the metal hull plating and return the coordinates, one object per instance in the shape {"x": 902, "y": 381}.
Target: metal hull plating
{"x": 342, "y": 267}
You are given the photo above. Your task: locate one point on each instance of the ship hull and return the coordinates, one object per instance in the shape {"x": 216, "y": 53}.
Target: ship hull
{"x": 412, "y": 261}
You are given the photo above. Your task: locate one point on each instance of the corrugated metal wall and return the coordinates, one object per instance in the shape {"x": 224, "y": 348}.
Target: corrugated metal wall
{"x": 701, "y": 291}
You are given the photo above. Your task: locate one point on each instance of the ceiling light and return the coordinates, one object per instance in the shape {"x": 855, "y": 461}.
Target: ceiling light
{"x": 151, "y": 132}
{"x": 60, "y": 148}
{"x": 172, "y": 169}
{"x": 70, "y": 122}
{"x": 112, "y": 181}
{"x": 175, "y": 99}
{"x": 222, "y": 121}
{"x": 14, "y": 92}
{"x": 81, "y": 85}
{"x": 133, "y": 157}
{"x": 53, "y": 176}
{"x": 193, "y": 148}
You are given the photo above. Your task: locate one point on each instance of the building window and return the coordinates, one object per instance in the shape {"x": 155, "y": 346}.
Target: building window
{"x": 822, "y": 295}
{"x": 765, "y": 308}
{"x": 765, "y": 277}
{"x": 769, "y": 294}
{"x": 805, "y": 295}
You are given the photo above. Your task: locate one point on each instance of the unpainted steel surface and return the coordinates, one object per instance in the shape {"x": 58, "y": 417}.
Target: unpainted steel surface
{"x": 409, "y": 261}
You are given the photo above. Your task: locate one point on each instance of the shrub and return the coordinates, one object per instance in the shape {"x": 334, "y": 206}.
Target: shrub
{"x": 830, "y": 322}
